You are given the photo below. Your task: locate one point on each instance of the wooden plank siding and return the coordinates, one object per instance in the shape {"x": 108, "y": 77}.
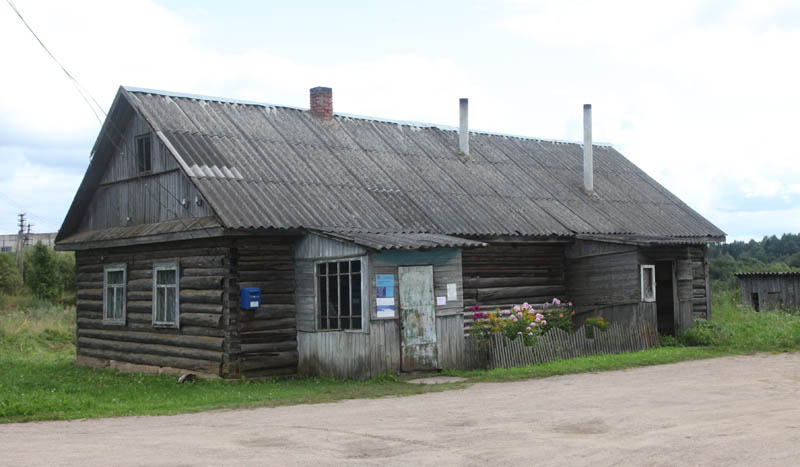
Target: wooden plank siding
{"x": 775, "y": 292}
{"x": 507, "y": 274}
{"x": 198, "y": 345}
{"x": 375, "y": 349}
{"x": 146, "y": 198}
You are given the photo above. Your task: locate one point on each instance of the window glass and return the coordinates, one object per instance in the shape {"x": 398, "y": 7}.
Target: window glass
{"x": 143, "y": 153}
{"x": 648, "y": 283}
{"x": 114, "y": 294}
{"x": 339, "y": 294}
{"x": 166, "y": 295}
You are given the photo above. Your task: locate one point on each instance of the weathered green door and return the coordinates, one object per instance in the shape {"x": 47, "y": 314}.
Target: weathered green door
{"x": 418, "y": 319}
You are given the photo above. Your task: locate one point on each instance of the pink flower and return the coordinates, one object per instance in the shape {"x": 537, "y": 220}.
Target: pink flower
{"x": 533, "y": 325}
{"x": 544, "y": 323}
{"x": 506, "y": 312}
{"x": 539, "y": 316}
{"x": 569, "y": 303}
{"x": 556, "y": 301}
{"x": 519, "y": 314}
{"x": 514, "y": 318}
{"x": 530, "y": 334}
{"x": 475, "y": 308}
{"x": 516, "y": 307}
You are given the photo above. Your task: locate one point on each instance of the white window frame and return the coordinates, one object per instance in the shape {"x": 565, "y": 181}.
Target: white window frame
{"x": 118, "y": 288}
{"x": 167, "y": 266}
{"x": 364, "y": 294}
{"x": 652, "y": 268}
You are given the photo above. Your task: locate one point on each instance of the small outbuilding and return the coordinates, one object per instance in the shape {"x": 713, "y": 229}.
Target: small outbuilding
{"x": 234, "y": 238}
{"x": 770, "y": 290}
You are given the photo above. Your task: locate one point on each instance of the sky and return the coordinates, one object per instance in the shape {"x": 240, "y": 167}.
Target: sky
{"x": 702, "y": 95}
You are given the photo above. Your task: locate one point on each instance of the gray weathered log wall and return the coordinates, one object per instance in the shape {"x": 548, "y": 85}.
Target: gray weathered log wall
{"x": 506, "y": 274}
{"x": 775, "y": 292}
{"x": 602, "y": 274}
{"x": 199, "y": 344}
{"x": 263, "y": 342}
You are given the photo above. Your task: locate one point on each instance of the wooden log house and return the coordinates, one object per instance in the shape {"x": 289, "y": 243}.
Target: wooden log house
{"x": 359, "y": 244}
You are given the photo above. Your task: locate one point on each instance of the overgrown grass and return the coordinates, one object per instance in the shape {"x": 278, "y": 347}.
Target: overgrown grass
{"x": 39, "y": 382}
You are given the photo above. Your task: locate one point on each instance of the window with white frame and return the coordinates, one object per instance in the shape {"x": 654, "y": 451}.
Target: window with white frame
{"x": 339, "y": 294}
{"x": 648, "y": 283}
{"x": 114, "y": 293}
{"x": 166, "y": 294}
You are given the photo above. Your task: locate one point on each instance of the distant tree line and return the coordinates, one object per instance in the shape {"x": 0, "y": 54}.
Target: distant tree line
{"x": 771, "y": 254}
{"x": 49, "y": 274}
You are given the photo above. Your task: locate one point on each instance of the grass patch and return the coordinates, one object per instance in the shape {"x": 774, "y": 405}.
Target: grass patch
{"x": 39, "y": 382}
{"x": 655, "y": 356}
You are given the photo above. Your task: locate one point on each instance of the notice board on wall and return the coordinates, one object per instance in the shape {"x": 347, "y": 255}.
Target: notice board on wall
{"x": 384, "y": 295}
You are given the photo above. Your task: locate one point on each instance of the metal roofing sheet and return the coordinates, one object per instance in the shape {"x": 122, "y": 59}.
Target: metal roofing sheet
{"x": 262, "y": 166}
{"x": 405, "y": 241}
{"x": 768, "y": 274}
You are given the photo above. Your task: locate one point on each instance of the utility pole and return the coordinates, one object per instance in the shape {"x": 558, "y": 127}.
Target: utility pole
{"x": 21, "y": 245}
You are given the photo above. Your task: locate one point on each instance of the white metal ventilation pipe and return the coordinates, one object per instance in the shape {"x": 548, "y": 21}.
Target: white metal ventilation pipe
{"x": 463, "y": 128}
{"x": 588, "y": 162}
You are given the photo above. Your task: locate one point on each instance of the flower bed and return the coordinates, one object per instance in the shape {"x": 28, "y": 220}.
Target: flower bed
{"x": 522, "y": 321}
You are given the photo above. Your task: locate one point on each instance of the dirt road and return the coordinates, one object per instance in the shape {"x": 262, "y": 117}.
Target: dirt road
{"x": 727, "y": 411}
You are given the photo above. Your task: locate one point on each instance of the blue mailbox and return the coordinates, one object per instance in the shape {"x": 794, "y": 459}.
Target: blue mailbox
{"x": 251, "y": 298}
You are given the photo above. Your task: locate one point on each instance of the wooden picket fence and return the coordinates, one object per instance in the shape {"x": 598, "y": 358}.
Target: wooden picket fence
{"x": 557, "y": 344}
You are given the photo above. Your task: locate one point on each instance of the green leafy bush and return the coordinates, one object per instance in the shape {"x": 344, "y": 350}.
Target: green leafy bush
{"x": 10, "y": 280}
{"x": 665, "y": 340}
{"x": 705, "y": 333}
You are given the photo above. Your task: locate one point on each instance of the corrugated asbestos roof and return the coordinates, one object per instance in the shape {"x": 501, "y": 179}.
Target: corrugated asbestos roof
{"x": 262, "y": 166}
{"x": 405, "y": 241}
{"x": 767, "y": 274}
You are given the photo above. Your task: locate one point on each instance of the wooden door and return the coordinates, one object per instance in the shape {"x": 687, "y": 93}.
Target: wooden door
{"x": 417, "y": 318}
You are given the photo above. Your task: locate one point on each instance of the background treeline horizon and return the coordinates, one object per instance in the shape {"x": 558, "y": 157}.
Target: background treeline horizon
{"x": 770, "y": 254}
{"x": 49, "y": 274}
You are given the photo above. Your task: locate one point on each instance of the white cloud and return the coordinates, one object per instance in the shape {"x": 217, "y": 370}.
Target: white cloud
{"x": 701, "y": 96}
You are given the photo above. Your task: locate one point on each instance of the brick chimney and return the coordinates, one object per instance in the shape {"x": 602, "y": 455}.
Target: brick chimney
{"x": 322, "y": 102}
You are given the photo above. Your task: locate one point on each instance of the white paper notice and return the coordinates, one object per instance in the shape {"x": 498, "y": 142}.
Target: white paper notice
{"x": 441, "y": 300}
{"x": 452, "y": 292}
{"x": 385, "y": 307}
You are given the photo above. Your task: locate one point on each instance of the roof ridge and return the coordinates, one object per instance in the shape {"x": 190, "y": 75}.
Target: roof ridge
{"x": 409, "y": 123}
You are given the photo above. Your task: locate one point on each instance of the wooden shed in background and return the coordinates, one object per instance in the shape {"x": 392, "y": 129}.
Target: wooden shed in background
{"x": 238, "y": 239}
{"x": 770, "y": 290}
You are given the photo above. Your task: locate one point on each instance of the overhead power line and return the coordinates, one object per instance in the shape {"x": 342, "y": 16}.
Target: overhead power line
{"x": 81, "y": 90}
{"x": 87, "y": 97}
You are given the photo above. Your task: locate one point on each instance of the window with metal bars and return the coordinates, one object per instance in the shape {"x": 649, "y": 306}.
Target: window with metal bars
{"x": 114, "y": 293}
{"x": 339, "y": 294}
{"x": 144, "y": 159}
